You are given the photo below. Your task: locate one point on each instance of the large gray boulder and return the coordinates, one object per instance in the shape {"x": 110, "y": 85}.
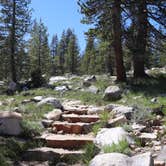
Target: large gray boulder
{"x": 162, "y": 155}
{"x": 50, "y": 100}
{"x": 112, "y": 93}
{"x": 118, "y": 159}
{"x": 53, "y": 115}
{"x": 112, "y": 136}
{"x": 10, "y": 123}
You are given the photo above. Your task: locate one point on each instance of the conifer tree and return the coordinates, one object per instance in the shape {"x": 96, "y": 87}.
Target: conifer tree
{"x": 72, "y": 55}
{"x": 39, "y": 52}
{"x": 15, "y": 20}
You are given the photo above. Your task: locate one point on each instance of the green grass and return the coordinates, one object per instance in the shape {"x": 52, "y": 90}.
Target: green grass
{"x": 121, "y": 147}
{"x": 90, "y": 151}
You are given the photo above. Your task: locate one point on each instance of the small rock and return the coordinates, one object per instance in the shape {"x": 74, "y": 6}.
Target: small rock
{"x": 61, "y": 88}
{"x": 51, "y": 100}
{"x": 88, "y": 81}
{"x": 117, "y": 121}
{"x": 47, "y": 123}
{"x": 37, "y": 98}
{"x": 148, "y": 136}
{"x": 112, "y": 93}
{"x": 138, "y": 127}
{"x": 95, "y": 110}
{"x": 159, "y": 163}
{"x": 153, "y": 100}
{"x": 93, "y": 89}
{"x": 56, "y": 79}
{"x": 125, "y": 110}
{"x": 53, "y": 115}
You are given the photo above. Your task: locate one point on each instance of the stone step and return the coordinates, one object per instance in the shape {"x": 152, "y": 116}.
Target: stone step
{"x": 49, "y": 154}
{"x": 67, "y": 141}
{"x": 74, "y": 110}
{"x": 72, "y": 128}
{"x": 73, "y": 118}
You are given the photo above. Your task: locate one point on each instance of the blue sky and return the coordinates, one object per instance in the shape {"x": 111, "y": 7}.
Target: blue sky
{"x": 58, "y": 15}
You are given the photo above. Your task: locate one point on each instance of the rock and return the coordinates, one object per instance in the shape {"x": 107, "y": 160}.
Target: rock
{"x": 112, "y": 93}
{"x": 110, "y": 107}
{"x": 53, "y": 115}
{"x": 49, "y": 154}
{"x": 10, "y": 123}
{"x": 32, "y": 163}
{"x": 142, "y": 160}
{"x": 95, "y": 110}
{"x": 118, "y": 159}
{"x": 138, "y": 127}
{"x": 51, "y": 100}
{"x": 114, "y": 135}
{"x": 56, "y": 79}
{"x": 122, "y": 109}
{"x": 93, "y": 89}
{"x": 61, "y": 88}
{"x": 148, "y": 136}
{"x": 12, "y": 86}
{"x": 37, "y": 98}
{"x": 47, "y": 123}
{"x": 2, "y": 83}
{"x": 90, "y": 78}
{"x": 88, "y": 81}
{"x": 159, "y": 163}
{"x": 117, "y": 121}
{"x": 153, "y": 100}
{"x": 162, "y": 155}
{"x": 67, "y": 141}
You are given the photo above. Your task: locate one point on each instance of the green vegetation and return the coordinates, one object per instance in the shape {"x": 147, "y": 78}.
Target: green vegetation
{"x": 121, "y": 147}
{"x": 90, "y": 151}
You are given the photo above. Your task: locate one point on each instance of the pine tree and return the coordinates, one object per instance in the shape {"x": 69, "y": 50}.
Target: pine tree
{"x": 106, "y": 15}
{"x": 88, "y": 60}
{"x": 39, "y": 52}
{"x": 72, "y": 55}
{"x": 61, "y": 53}
{"x": 146, "y": 17}
{"x": 53, "y": 52}
{"x": 15, "y": 20}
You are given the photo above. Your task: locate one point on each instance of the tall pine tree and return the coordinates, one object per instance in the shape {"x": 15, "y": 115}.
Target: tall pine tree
{"x": 39, "y": 52}
{"x": 15, "y": 20}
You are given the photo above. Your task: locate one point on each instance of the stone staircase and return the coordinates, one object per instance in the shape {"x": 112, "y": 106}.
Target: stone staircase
{"x": 69, "y": 135}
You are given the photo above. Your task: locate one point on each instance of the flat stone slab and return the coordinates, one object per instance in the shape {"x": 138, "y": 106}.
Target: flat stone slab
{"x": 10, "y": 115}
{"x": 71, "y": 128}
{"x": 67, "y": 141}
{"x": 48, "y": 154}
{"x": 80, "y": 118}
{"x": 76, "y": 110}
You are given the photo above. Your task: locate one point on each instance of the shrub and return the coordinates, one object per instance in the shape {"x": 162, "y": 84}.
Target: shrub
{"x": 90, "y": 151}
{"x": 36, "y": 79}
{"x": 121, "y": 147}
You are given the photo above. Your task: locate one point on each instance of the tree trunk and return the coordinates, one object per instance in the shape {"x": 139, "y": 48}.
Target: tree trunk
{"x": 116, "y": 15}
{"x": 13, "y": 43}
{"x": 141, "y": 40}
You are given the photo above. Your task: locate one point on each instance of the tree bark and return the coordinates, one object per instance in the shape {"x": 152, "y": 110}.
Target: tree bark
{"x": 141, "y": 40}
{"x": 13, "y": 43}
{"x": 117, "y": 43}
